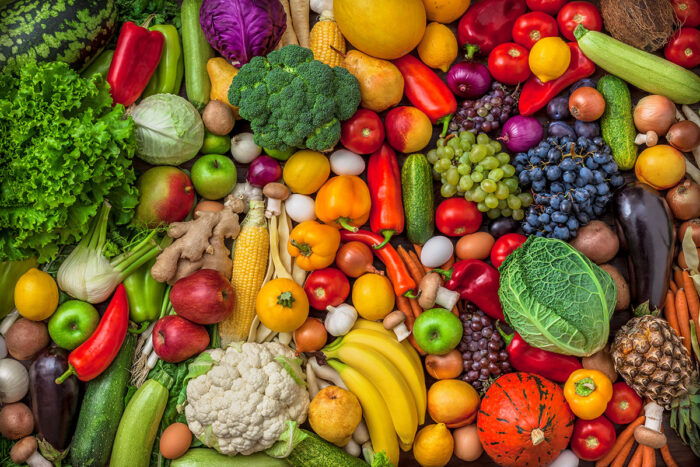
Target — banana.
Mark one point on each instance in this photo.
(375, 326)
(389, 382)
(374, 409)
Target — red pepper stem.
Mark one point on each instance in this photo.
(445, 121)
(471, 49)
(507, 338)
(446, 274)
(388, 233)
(410, 294)
(345, 223)
(70, 371)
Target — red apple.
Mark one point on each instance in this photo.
(408, 129)
(166, 196)
(203, 297)
(176, 339)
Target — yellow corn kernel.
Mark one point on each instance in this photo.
(325, 36)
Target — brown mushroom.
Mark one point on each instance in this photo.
(275, 193)
(650, 138)
(650, 434)
(394, 321)
(25, 451)
(432, 293)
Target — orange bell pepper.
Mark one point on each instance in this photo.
(344, 201)
(313, 245)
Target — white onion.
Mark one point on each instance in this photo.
(14, 381)
(436, 251)
(300, 208)
(243, 148)
(344, 162)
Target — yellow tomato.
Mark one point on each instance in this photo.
(373, 296)
(660, 166)
(36, 295)
(549, 58)
(306, 171)
(282, 305)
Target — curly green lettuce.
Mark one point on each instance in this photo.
(64, 149)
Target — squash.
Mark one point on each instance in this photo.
(524, 421)
(385, 29)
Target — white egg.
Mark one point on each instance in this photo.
(300, 208)
(344, 162)
(436, 251)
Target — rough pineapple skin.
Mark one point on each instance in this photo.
(650, 357)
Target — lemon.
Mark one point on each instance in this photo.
(549, 58)
(36, 295)
(438, 48)
(373, 296)
(433, 445)
(445, 11)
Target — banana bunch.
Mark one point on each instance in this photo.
(387, 377)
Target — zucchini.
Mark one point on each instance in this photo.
(646, 71)
(205, 457)
(315, 452)
(102, 409)
(196, 52)
(616, 123)
(417, 189)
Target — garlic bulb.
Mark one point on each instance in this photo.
(319, 6)
(340, 319)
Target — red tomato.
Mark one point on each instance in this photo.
(504, 246)
(548, 6)
(592, 439)
(575, 13)
(688, 12)
(508, 63)
(363, 133)
(326, 287)
(625, 405)
(684, 48)
(457, 216)
(533, 26)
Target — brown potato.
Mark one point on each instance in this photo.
(16, 421)
(623, 289)
(597, 241)
(601, 361)
(26, 338)
(218, 118)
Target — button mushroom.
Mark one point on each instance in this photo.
(432, 293)
(276, 193)
(25, 452)
(394, 321)
(650, 434)
(650, 138)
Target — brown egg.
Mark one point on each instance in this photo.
(175, 441)
(475, 246)
(208, 206)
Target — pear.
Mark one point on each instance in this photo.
(381, 83)
(334, 414)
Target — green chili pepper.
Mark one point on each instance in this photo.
(145, 294)
(171, 69)
(99, 65)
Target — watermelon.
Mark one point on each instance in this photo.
(71, 31)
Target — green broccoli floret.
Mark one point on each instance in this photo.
(294, 101)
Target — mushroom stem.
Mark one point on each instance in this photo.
(401, 332)
(395, 321)
(650, 433)
(25, 451)
(654, 415)
(273, 207)
(446, 298)
(649, 138)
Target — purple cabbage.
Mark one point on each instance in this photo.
(242, 29)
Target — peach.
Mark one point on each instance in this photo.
(453, 402)
(408, 129)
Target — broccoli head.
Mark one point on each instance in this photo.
(294, 101)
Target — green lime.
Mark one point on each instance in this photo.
(215, 144)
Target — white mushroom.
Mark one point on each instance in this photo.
(275, 193)
(25, 451)
(432, 293)
(394, 321)
(650, 433)
(650, 138)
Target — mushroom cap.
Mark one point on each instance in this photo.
(276, 190)
(393, 319)
(23, 449)
(649, 437)
(428, 286)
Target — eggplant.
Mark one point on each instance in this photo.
(646, 230)
(55, 406)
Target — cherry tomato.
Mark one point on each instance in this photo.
(625, 405)
(533, 26)
(508, 63)
(688, 12)
(548, 6)
(457, 216)
(592, 439)
(363, 133)
(504, 246)
(325, 287)
(575, 13)
(684, 48)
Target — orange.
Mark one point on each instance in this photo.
(433, 445)
(660, 166)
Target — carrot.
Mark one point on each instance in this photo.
(415, 307)
(636, 460)
(418, 249)
(621, 456)
(405, 308)
(668, 458)
(648, 457)
(672, 285)
(416, 260)
(693, 300)
(670, 313)
(415, 345)
(413, 269)
(300, 19)
(448, 265)
(620, 442)
(678, 277)
(683, 319)
(289, 37)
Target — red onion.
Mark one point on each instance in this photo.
(263, 170)
(521, 133)
(468, 79)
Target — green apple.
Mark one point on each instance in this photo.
(437, 331)
(214, 176)
(72, 323)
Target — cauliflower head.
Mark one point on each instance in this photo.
(242, 403)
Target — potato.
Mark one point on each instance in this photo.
(16, 421)
(218, 118)
(26, 338)
(601, 361)
(597, 241)
(623, 289)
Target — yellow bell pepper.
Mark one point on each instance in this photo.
(549, 58)
(221, 73)
(306, 171)
(314, 245)
(282, 305)
(588, 393)
(344, 201)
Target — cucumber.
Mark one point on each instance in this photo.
(102, 408)
(646, 71)
(417, 189)
(616, 123)
(196, 52)
(204, 457)
(315, 452)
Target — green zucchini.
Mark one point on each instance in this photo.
(196, 52)
(616, 123)
(315, 452)
(646, 71)
(417, 189)
(102, 409)
(205, 457)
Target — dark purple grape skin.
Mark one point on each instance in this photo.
(558, 108)
(559, 129)
(502, 226)
(582, 83)
(587, 129)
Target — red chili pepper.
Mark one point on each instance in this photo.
(94, 355)
(477, 282)
(384, 180)
(395, 267)
(135, 60)
(550, 365)
(536, 94)
(426, 90)
(487, 24)
(684, 48)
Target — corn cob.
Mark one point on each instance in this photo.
(326, 36)
(250, 254)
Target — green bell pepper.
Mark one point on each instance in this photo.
(145, 294)
(10, 272)
(99, 65)
(167, 78)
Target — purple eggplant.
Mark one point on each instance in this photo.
(645, 227)
(55, 406)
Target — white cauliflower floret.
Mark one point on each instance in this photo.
(241, 405)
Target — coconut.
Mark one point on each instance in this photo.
(645, 24)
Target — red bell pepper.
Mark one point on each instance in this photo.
(487, 24)
(477, 282)
(536, 94)
(426, 90)
(684, 48)
(94, 355)
(384, 180)
(135, 60)
(548, 6)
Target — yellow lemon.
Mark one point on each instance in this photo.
(549, 58)
(445, 11)
(306, 171)
(438, 48)
(36, 295)
(373, 296)
(433, 445)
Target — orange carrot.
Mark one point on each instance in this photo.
(416, 260)
(415, 345)
(670, 313)
(448, 265)
(672, 285)
(668, 458)
(693, 300)
(678, 277)
(413, 269)
(648, 457)
(620, 442)
(415, 307)
(683, 319)
(621, 456)
(636, 460)
(418, 248)
(405, 308)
